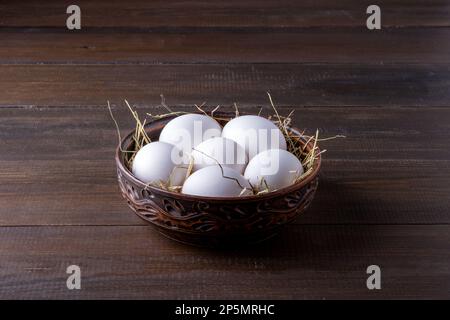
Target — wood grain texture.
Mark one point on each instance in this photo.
(384, 192)
(393, 167)
(229, 14)
(246, 84)
(308, 46)
(320, 262)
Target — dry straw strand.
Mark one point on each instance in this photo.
(297, 142)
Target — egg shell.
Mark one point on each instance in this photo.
(189, 130)
(255, 134)
(160, 161)
(279, 169)
(210, 182)
(219, 150)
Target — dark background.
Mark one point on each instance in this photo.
(384, 193)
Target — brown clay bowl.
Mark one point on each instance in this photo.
(209, 221)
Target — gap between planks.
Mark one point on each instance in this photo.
(147, 225)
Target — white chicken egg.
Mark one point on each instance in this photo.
(221, 151)
(255, 134)
(160, 161)
(211, 182)
(274, 169)
(189, 130)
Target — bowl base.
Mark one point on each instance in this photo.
(216, 241)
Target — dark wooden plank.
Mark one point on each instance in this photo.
(373, 133)
(321, 262)
(311, 46)
(230, 14)
(393, 167)
(292, 84)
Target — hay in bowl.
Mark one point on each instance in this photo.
(217, 221)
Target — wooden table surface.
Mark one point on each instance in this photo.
(384, 192)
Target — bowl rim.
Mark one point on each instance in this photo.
(180, 196)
